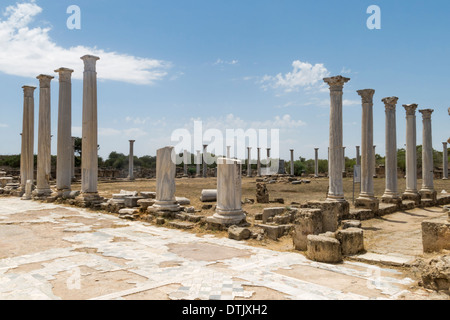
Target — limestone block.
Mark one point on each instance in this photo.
(209, 195)
(436, 235)
(262, 194)
(5, 180)
(145, 203)
(181, 225)
(148, 195)
(236, 233)
(352, 241)
(132, 202)
(271, 212)
(333, 213)
(324, 249)
(347, 224)
(183, 201)
(435, 273)
(275, 232)
(307, 222)
(128, 211)
(129, 193)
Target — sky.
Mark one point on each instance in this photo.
(250, 65)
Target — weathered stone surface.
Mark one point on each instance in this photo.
(148, 195)
(145, 203)
(262, 194)
(132, 202)
(182, 201)
(182, 225)
(346, 224)
(307, 222)
(271, 212)
(435, 273)
(160, 221)
(361, 214)
(352, 241)
(128, 211)
(5, 180)
(436, 235)
(333, 213)
(324, 249)
(209, 195)
(236, 233)
(275, 232)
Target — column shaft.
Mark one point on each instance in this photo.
(27, 155)
(292, 163)
(427, 157)
(131, 161)
(411, 151)
(316, 162)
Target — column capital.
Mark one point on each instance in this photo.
(366, 95)
(410, 109)
(390, 103)
(89, 62)
(445, 144)
(426, 113)
(65, 74)
(44, 80)
(317, 149)
(336, 83)
(28, 91)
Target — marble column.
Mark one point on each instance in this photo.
(367, 197)
(89, 162)
(27, 155)
(205, 166)
(336, 189)
(292, 163)
(72, 159)
(427, 191)
(391, 194)
(358, 155)
(249, 163)
(229, 194)
(199, 162)
(44, 138)
(316, 162)
(165, 182)
(65, 160)
(131, 161)
(411, 192)
(259, 163)
(445, 161)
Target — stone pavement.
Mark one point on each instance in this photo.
(56, 252)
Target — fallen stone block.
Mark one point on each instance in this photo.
(209, 195)
(182, 225)
(148, 195)
(347, 224)
(182, 201)
(307, 222)
(145, 203)
(435, 273)
(324, 249)
(436, 235)
(189, 210)
(262, 194)
(332, 213)
(275, 232)
(352, 241)
(271, 212)
(361, 214)
(129, 193)
(236, 233)
(128, 211)
(132, 202)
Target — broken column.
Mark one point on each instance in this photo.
(89, 162)
(411, 192)
(131, 161)
(445, 161)
(65, 160)
(316, 162)
(367, 197)
(391, 194)
(249, 163)
(292, 163)
(44, 138)
(336, 189)
(165, 203)
(27, 156)
(427, 191)
(229, 193)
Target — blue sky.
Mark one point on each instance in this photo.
(231, 64)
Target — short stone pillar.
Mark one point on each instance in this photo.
(292, 163)
(165, 182)
(411, 192)
(44, 139)
(89, 163)
(391, 194)
(64, 163)
(336, 188)
(445, 161)
(205, 165)
(229, 193)
(427, 191)
(198, 162)
(258, 169)
(27, 154)
(316, 162)
(358, 155)
(131, 161)
(249, 163)
(367, 197)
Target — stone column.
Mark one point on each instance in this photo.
(165, 182)
(366, 198)
(445, 161)
(259, 163)
(44, 138)
(131, 161)
(292, 163)
(229, 193)
(358, 155)
(427, 191)
(89, 162)
(411, 192)
(27, 155)
(249, 164)
(205, 166)
(65, 160)
(336, 189)
(199, 161)
(391, 194)
(316, 162)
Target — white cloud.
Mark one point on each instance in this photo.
(304, 76)
(3, 125)
(29, 51)
(221, 62)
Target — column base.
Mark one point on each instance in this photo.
(164, 208)
(412, 196)
(89, 200)
(333, 198)
(391, 198)
(42, 194)
(223, 219)
(371, 203)
(428, 194)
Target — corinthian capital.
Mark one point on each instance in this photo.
(426, 113)
(336, 83)
(65, 74)
(28, 91)
(390, 103)
(366, 95)
(410, 109)
(44, 80)
(89, 62)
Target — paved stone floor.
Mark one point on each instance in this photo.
(58, 252)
